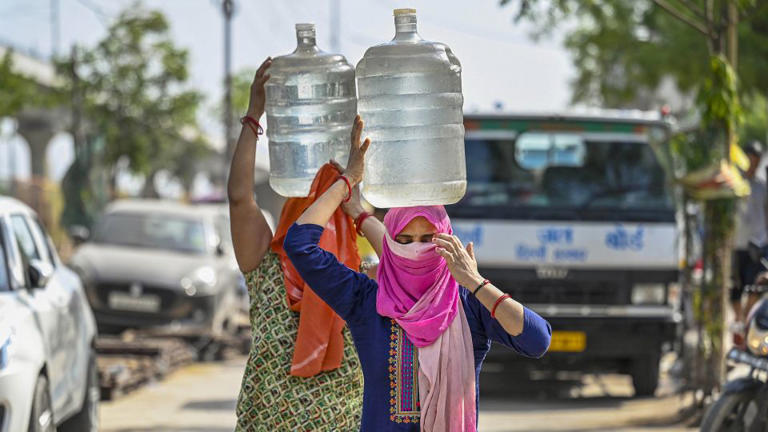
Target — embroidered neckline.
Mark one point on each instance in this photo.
(404, 404)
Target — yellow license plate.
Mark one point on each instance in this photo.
(568, 341)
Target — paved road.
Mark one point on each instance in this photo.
(198, 398)
(201, 397)
(593, 404)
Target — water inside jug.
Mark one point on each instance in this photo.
(311, 102)
(409, 95)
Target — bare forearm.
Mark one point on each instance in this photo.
(240, 184)
(509, 313)
(250, 231)
(374, 231)
(321, 210)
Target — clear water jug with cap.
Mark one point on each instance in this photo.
(311, 103)
(409, 95)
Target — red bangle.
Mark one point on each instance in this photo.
(359, 221)
(349, 187)
(498, 301)
(253, 124)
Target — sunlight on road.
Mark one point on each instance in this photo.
(201, 398)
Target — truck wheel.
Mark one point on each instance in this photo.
(41, 414)
(87, 420)
(727, 413)
(645, 375)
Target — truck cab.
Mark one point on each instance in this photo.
(574, 216)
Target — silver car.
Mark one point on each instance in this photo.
(152, 263)
(48, 375)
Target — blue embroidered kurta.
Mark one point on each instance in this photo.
(388, 359)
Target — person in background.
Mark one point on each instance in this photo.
(751, 237)
(272, 397)
(423, 326)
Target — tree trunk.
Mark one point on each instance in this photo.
(113, 184)
(714, 297)
(149, 190)
(732, 54)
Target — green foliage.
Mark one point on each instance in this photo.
(241, 93)
(755, 125)
(136, 96)
(623, 48)
(241, 90)
(718, 97)
(18, 92)
(694, 151)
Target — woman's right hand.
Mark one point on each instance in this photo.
(354, 207)
(258, 94)
(356, 161)
(322, 209)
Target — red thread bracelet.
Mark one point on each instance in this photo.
(482, 284)
(349, 188)
(498, 301)
(359, 221)
(253, 124)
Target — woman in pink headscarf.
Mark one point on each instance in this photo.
(423, 326)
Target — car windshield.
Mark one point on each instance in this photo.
(158, 231)
(564, 172)
(5, 284)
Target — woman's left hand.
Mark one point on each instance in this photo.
(258, 94)
(461, 261)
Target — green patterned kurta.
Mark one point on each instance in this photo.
(272, 400)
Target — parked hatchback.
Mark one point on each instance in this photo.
(48, 375)
(153, 263)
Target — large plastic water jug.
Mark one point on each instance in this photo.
(311, 103)
(409, 95)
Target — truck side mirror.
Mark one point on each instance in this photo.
(39, 272)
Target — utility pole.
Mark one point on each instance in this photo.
(227, 8)
(81, 150)
(335, 12)
(732, 54)
(11, 152)
(55, 23)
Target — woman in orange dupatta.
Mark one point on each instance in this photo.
(302, 373)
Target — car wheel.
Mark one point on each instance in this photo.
(645, 375)
(41, 415)
(87, 420)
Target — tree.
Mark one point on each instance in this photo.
(135, 97)
(718, 49)
(623, 49)
(19, 92)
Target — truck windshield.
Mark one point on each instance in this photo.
(541, 173)
(158, 231)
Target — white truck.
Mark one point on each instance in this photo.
(574, 216)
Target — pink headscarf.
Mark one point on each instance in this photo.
(417, 290)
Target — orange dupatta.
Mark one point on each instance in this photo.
(319, 343)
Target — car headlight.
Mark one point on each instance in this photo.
(757, 340)
(648, 293)
(201, 282)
